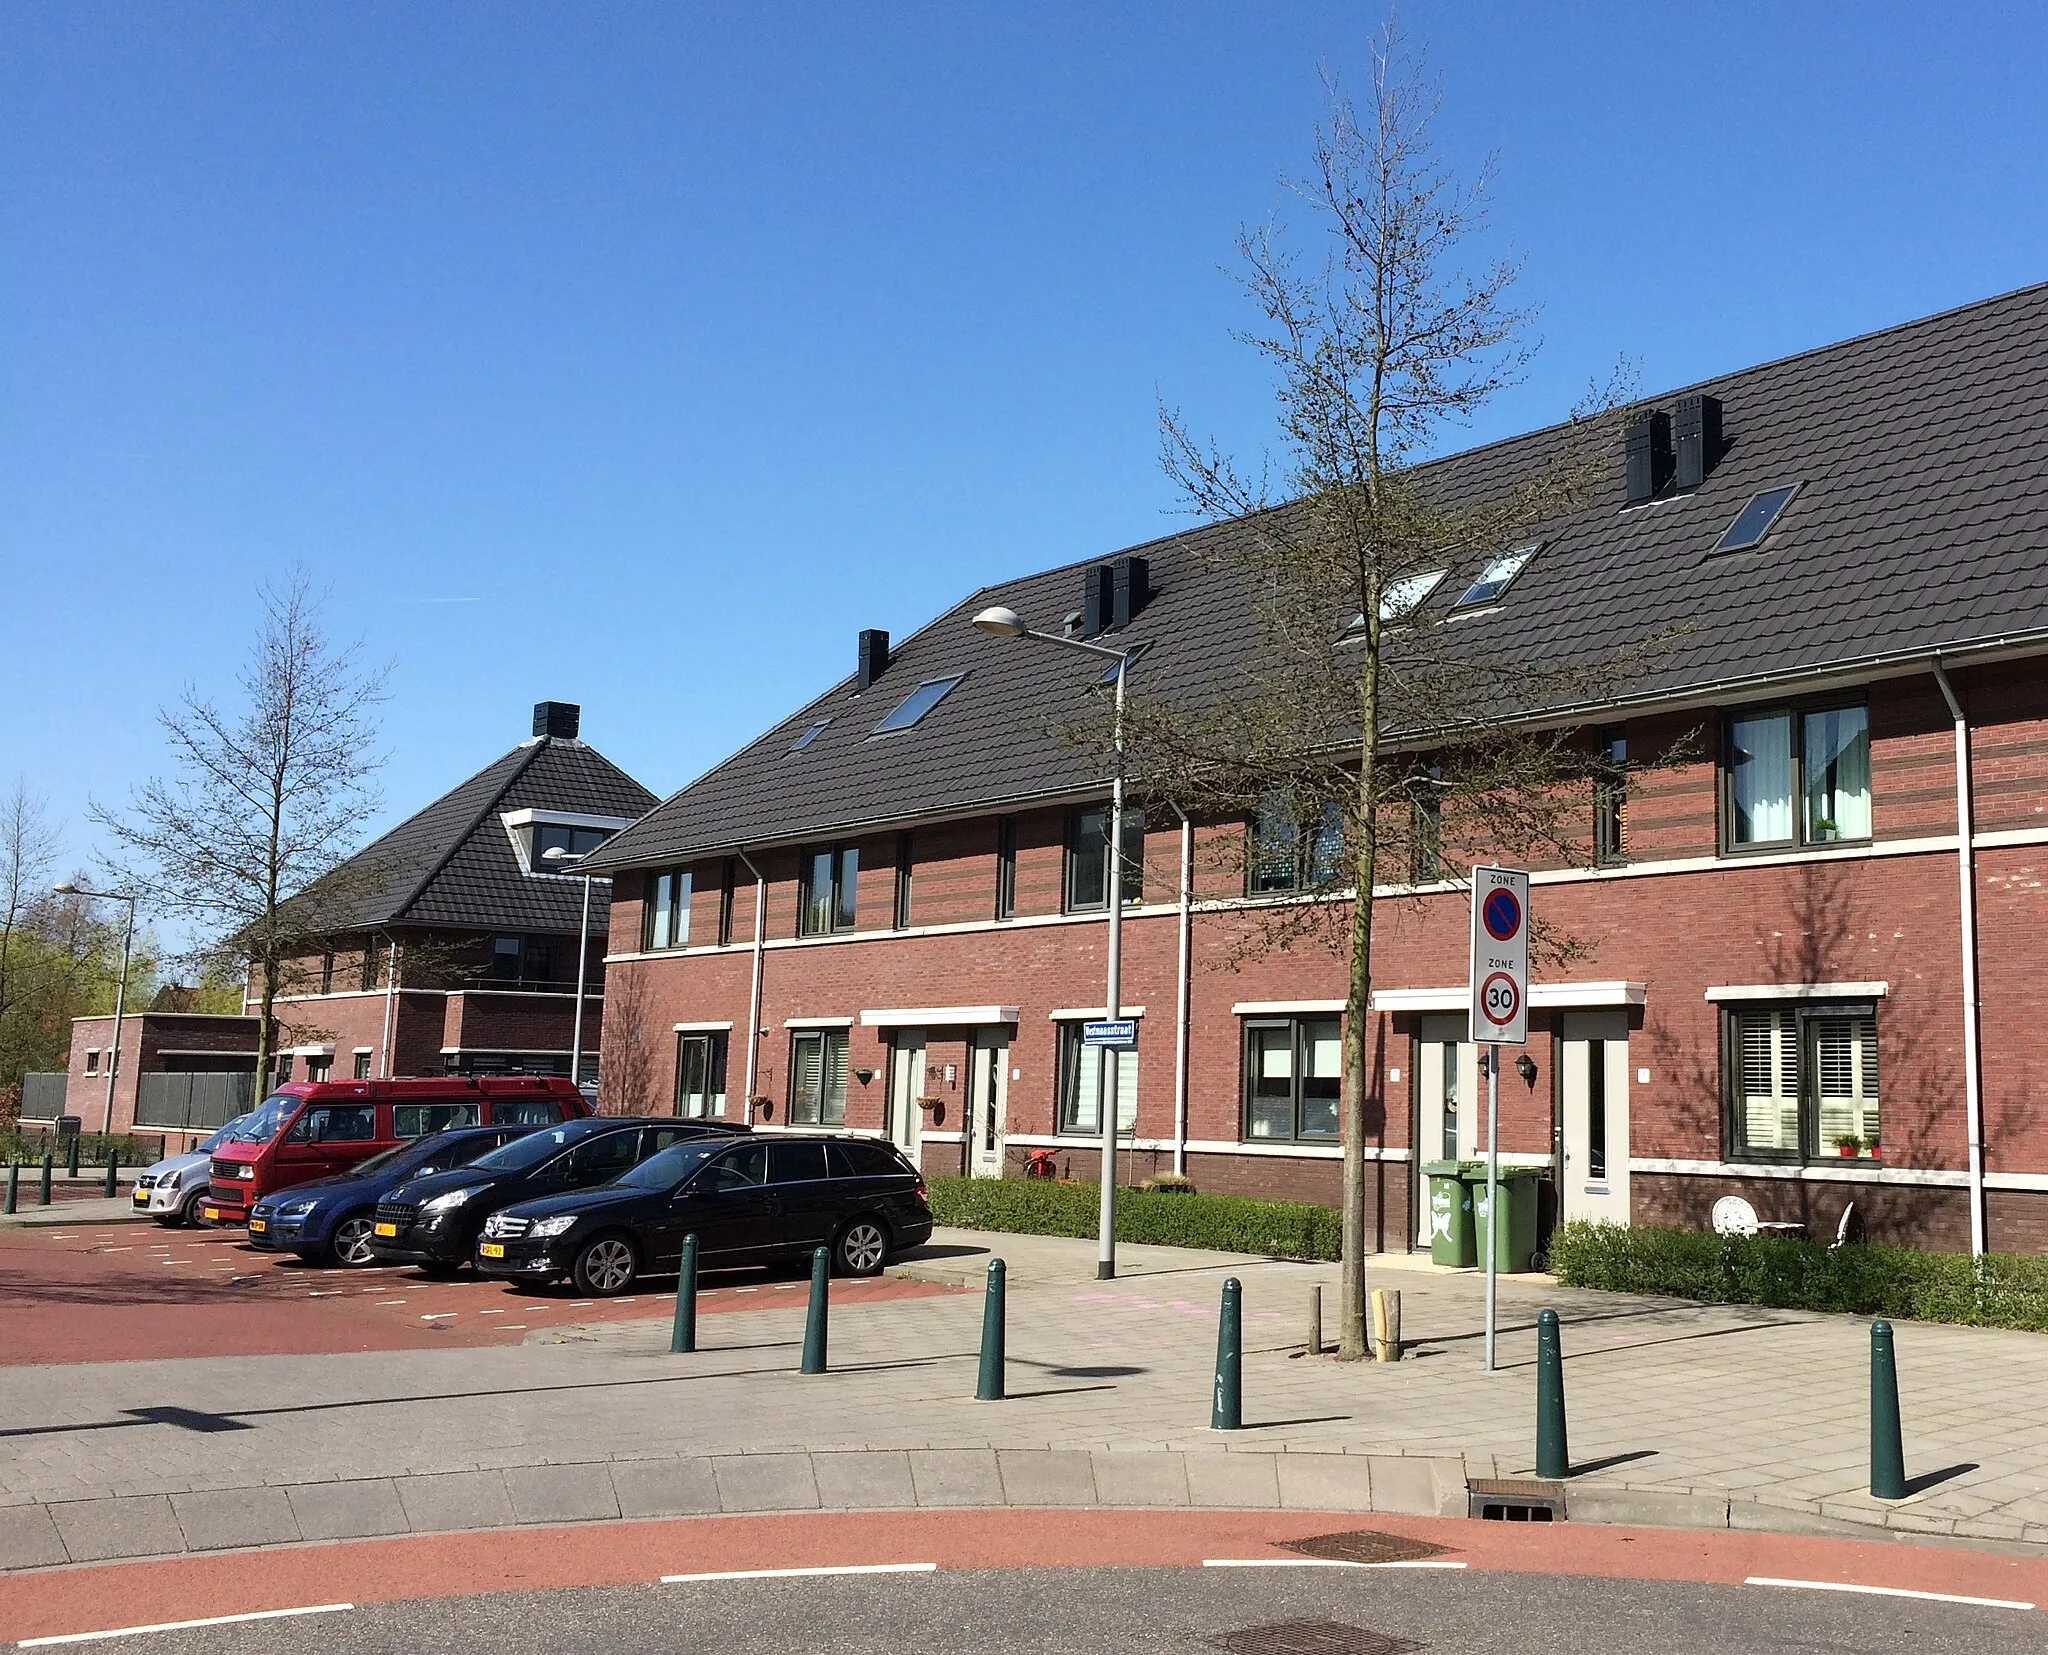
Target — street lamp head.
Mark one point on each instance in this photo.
(557, 853)
(1001, 623)
(65, 889)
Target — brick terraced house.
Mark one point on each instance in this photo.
(1806, 983)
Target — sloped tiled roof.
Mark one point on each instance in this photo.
(1921, 526)
(453, 863)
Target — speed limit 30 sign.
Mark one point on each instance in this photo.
(1500, 956)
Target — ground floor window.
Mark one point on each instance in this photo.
(1082, 1080)
(817, 1078)
(700, 1075)
(1802, 1081)
(1293, 1070)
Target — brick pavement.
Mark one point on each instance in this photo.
(1686, 1414)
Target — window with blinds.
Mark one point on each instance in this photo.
(817, 1078)
(1803, 1077)
(1082, 1083)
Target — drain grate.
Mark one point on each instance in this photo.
(1515, 1500)
(1312, 1637)
(1366, 1546)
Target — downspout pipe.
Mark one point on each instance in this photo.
(390, 996)
(1966, 869)
(754, 994)
(1180, 985)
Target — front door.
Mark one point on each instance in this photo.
(906, 1086)
(1450, 1097)
(987, 1103)
(1593, 1069)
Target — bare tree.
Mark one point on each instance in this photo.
(266, 800)
(1366, 742)
(28, 854)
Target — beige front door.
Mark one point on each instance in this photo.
(988, 1097)
(1450, 1096)
(1593, 1070)
(906, 1086)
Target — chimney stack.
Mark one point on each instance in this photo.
(1130, 590)
(561, 719)
(1698, 433)
(1098, 599)
(874, 656)
(1649, 455)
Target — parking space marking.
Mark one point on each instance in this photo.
(803, 1574)
(182, 1626)
(1885, 1592)
(1324, 1563)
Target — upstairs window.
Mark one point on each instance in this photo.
(917, 703)
(1088, 859)
(826, 902)
(1754, 521)
(327, 972)
(1498, 576)
(1006, 867)
(1294, 849)
(573, 842)
(1610, 802)
(1399, 599)
(811, 734)
(1796, 778)
(665, 916)
(1426, 828)
(901, 917)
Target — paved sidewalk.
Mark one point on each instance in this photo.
(1694, 1415)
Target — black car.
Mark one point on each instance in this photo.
(759, 1202)
(434, 1221)
(329, 1220)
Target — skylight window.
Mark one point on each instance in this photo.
(1132, 657)
(917, 703)
(1401, 598)
(1756, 519)
(809, 736)
(1499, 575)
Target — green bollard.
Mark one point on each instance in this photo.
(45, 1199)
(13, 1185)
(71, 1158)
(1553, 1458)
(113, 1173)
(814, 1323)
(1226, 1413)
(1887, 1446)
(683, 1338)
(989, 1387)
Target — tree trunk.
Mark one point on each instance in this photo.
(1351, 1319)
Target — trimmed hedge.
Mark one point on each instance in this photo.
(1222, 1223)
(1999, 1290)
(29, 1147)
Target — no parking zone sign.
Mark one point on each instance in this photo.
(1500, 956)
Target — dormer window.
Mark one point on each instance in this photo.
(574, 842)
(571, 834)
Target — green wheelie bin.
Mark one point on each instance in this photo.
(1451, 1238)
(1514, 1242)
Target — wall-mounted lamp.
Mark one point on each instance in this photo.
(863, 1075)
(1525, 1066)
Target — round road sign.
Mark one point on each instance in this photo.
(1502, 915)
(1499, 999)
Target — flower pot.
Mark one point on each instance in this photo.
(1847, 1149)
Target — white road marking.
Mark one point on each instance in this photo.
(440, 1316)
(383, 1303)
(180, 1626)
(490, 1312)
(1886, 1592)
(583, 1304)
(1324, 1563)
(802, 1574)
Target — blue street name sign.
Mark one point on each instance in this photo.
(1110, 1031)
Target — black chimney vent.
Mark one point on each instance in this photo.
(1130, 590)
(874, 655)
(1649, 455)
(557, 718)
(1098, 599)
(1697, 432)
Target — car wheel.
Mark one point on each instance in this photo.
(605, 1267)
(350, 1243)
(188, 1214)
(861, 1247)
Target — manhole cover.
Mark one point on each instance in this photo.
(1310, 1637)
(1366, 1546)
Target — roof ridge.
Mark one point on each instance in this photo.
(459, 840)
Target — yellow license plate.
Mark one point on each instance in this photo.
(210, 1214)
(259, 1225)
(492, 1249)
(142, 1198)
(387, 1229)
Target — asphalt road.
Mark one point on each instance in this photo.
(1138, 1612)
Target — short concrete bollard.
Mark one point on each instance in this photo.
(1226, 1412)
(43, 1200)
(814, 1322)
(113, 1173)
(13, 1185)
(1887, 1443)
(682, 1337)
(1553, 1458)
(1315, 1321)
(988, 1385)
(71, 1157)
(1386, 1324)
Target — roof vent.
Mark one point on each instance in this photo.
(1130, 589)
(557, 718)
(1649, 455)
(1697, 431)
(874, 656)
(1098, 599)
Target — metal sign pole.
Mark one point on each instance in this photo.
(1492, 1191)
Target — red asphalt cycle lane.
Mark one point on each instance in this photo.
(87, 1598)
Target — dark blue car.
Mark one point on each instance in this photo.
(329, 1220)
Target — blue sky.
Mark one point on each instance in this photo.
(638, 355)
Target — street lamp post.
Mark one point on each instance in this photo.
(68, 888)
(568, 859)
(1007, 623)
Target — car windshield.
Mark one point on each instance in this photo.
(522, 1153)
(671, 1166)
(263, 1122)
(206, 1146)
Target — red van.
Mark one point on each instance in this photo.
(310, 1129)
